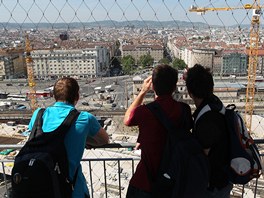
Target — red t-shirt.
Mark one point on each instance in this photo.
(152, 137)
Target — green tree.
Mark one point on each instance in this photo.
(179, 64)
(128, 63)
(164, 61)
(146, 60)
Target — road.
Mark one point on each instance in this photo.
(86, 92)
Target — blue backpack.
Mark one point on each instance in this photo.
(244, 157)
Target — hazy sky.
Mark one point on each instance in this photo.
(121, 10)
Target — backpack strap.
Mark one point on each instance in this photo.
(162, 117)
(175, 137)
(68, 121)
(64, 126)
(166, 122)
(207, 108)
(37, 124)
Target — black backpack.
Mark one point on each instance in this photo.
(184, 168)
(41, 168)
(244, 157)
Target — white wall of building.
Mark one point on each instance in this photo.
(78, 62)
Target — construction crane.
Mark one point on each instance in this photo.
(30, 74)
(202, 10)
(253, 52)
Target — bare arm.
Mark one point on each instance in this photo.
(99, 139)
(139, 99)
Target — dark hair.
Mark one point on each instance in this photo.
(66, 89)
(199, 81)
(164, 79)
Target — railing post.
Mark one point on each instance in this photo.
(105, 180)
(255, 188)
(4, 174)
(91, 180)
(119, 178)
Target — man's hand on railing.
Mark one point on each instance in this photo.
(137, 147)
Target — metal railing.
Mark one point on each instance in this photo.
(108, 170)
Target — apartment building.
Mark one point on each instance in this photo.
(204, 57)
(7, 66)
(2, 69)
(234, 63)
(80, 63)
(228, 92)
(217, 63)
(155, 51)
(20, 70)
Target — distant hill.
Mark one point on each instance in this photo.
(106, 23)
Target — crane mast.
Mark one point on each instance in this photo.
(30, 74)
(252, 65)
(253, 52)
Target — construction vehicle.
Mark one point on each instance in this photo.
(252, 52)
(30, 74)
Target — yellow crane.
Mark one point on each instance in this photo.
(30, 74)
(202, 10)
(253, 52)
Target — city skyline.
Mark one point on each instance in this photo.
(62, 11)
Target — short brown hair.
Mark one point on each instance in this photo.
(164, 79)
(66, 89)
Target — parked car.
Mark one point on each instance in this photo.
(9, 84)
(98, 105)
(20, 106)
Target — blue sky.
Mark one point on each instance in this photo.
(120, 10)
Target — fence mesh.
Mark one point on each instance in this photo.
(109, 46)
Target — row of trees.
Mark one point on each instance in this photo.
(129, 64)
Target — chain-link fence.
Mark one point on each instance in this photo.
(110, 46)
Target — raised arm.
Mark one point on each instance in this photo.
(139, 99)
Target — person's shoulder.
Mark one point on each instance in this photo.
(36, 111)
(212, 117)
(141, 108)
(85, 115)
(185, 106)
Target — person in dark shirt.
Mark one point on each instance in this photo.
(152, 134)
(210, 129)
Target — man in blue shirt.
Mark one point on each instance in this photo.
(85, 131)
